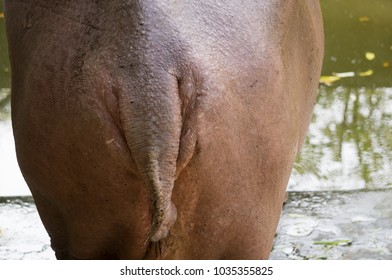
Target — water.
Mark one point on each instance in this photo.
(350, 138)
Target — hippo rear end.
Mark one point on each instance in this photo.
(161, 129)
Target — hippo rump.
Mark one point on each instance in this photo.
(161, 129)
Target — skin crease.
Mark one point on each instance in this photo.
(161, 129)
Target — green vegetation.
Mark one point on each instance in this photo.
(334, 243)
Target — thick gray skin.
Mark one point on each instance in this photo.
(123, 109)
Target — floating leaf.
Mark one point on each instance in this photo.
(370, 56)
(328, 80)
(366, 73)
(334, 243)
(344, 74)
(364, 19)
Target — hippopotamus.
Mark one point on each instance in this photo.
(161, 129)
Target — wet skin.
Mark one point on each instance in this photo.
(161, 129)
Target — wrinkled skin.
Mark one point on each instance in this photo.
(161, 129)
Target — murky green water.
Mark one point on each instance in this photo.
(350, 139)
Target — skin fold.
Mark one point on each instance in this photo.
(161, 129)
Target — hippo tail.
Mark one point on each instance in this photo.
(152, 119)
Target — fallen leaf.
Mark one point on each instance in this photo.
(364, 19)
(370, 56)
(386, 64)
(328, 80)
(1, 15)
(334, 243)
(366, 73)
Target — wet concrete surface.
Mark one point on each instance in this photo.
(314, 225)
(336, 225)
(22, 235)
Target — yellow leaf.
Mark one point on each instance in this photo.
(366, 73)
(1, 15)
(370, 56)
(328, 80)
(364, 19)
(386, 64)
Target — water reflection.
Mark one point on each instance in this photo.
(5, 108)
(349, 141)
(4, 71)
